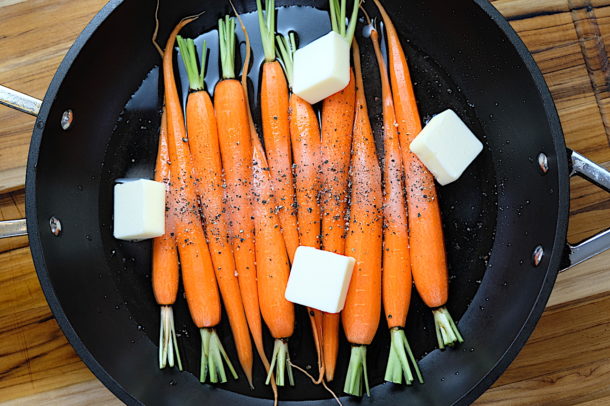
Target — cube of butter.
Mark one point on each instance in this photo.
(446, 146)
(319, 279)
(321, 68)
(139, 209)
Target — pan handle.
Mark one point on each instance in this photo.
(598, 243)
(26, 104)
(19, 101)
(13, 228)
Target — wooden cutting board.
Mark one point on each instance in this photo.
(565, 362)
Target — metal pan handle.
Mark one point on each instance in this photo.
(26, 104)
(599, 243)
(19, 101)
(13, 228)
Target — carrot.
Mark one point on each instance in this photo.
(362, 309)
(396, 280)
(273, 265)
(276, 130)
(305, 141)
(165, 263)
(428, 259)
(244, 84)
(236, 152)
(337, 125)
(197, 270)
(204, 147)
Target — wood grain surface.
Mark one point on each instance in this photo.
(565, 362)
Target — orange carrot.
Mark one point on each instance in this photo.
(428, 259)
(362, 309)
(397, 278)
(236, 152)
(165, 262)
(197, 270)
(305, 140)
(204, 147)
(244, 84)
(276, 131)
(336, 141)
(273, 267)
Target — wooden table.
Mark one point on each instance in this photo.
(565, 362)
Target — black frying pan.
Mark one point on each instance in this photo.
(505, 220)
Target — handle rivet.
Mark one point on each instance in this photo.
(537, 255)
(543, 163)
(66, 119)
(55, 226)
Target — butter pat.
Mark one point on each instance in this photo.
(321, 68)
(446, 146)
(139, 209)
(319, 279)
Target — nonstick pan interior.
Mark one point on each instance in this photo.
(494, 216)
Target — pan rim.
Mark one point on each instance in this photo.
(468, 397)
(32, 213)
(563, 196)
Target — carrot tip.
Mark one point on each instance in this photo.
(212, 356)
(280, 362)
(398, 360)
(357, 372)
(168, 344)
(447, 332)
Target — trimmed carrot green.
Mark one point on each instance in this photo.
(205, 150)
(197, 269)
(165, 272)
(361, 313)
(276, 130)
(397, 280)
(428, 259)
(305, 141)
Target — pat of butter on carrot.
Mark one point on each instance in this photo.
(139, 209)
(446, 146)
(319, 279)
(321, 68)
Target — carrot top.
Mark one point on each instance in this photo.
(266, 22)
(189, 57)
(226, 34)
(287, 47)
(338, 13)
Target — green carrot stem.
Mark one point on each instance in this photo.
(280, 364)
(342, 17)
(266, 23)
(188, 52)
(226, 36)
(212, 356)
(357, 372)
(338, 13)
(447, 333)
(334, 18)
(287, 47)
(168, 344)
(398, 360)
